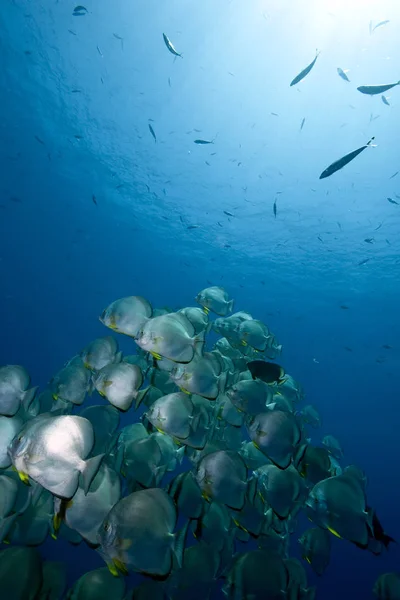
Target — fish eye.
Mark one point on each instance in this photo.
(106, 526)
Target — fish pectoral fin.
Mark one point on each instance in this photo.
(113, 569)
(335, 533)
(119, 566)
(24, 477)
(184, 391)
(156, 355)
(56, 525)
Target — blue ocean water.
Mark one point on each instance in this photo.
(76, 101)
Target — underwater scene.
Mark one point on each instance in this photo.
(199, 290)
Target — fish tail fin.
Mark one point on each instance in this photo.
(119, 458)
(5, 526)
(118, 357)
(179, 544)
(222, 379)
(370, 518)
(28, 397)
(180, 454)
(387, 539)
(140, 396)
(89, 471)
(198, 343)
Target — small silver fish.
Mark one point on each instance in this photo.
(342, 74)
(305, 71)
(170, 46)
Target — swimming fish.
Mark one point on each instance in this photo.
(266, 371)
(342, 162)
(222, 477)
(385, 100)
(79, 11)
(152, 132)
(119, 383)
(316, 548)
(342, 74)
(305, 71)
(387, 586)
(277, 434)
(203, 142)
(99, 584)
(380, 24)
(339, 505)
(215, 299)
(127, 315)
(333, 446)
(101, 352)
(274, 209)
(138, 534)
(170, 336)
(72, 383)
(28, 584)
(53, 451)
(170, 45)
(372, 90)
(14, 392)
(392, 201)
(302, 123)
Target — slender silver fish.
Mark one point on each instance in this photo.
(342, 162)
(372, 90)
(170, 46)
(305, 71)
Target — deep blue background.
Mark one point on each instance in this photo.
(63, 259)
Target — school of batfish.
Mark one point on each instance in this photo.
(202, 489)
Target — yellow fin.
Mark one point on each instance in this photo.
(307, 559)
(120, 566)
(156, 355)
(334, 532)
(102, 394)
(244, 343)
(206, 310)
(24, 478)
(55, 396)
(113, 569)
(56, 525)
(160, 430)
(184, 391)
(107, 383)
(6, 541)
